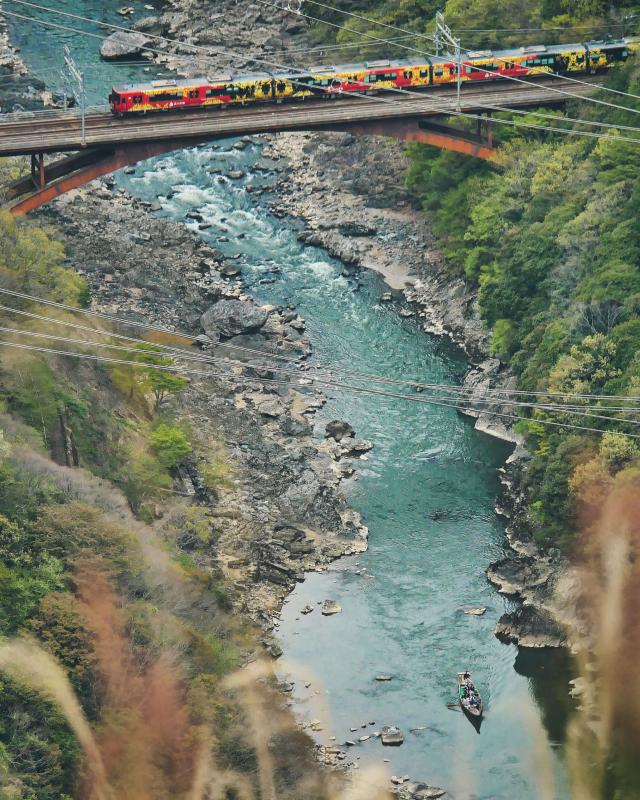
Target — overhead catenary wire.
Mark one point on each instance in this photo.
(428, 101)
(256, 59)
(170, 350)
(151, 348)
(434, 55)
(546, 28)
(459, 393)
(317, 384)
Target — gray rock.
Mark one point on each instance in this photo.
(330, 607)
(338, 429)
(294, 426)
(415, 790)
(530, 627)
(357, 447)
(150, 24)
(123, 44)
(233, 317)
(391, 736)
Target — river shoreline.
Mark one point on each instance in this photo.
(409, 262)
(323, 180)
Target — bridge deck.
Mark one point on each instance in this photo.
(53, 132)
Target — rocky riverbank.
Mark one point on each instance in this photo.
(19, 90)
(349, 195)
(282, 513)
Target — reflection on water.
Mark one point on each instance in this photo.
(549, 672)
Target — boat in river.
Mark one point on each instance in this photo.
(469, 698)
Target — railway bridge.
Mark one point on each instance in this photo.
(106, 143)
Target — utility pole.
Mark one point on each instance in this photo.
(445, 38)
(73, 85)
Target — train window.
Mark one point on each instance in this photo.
(424, 73)
(137, 98)
(469, 70)
(408, 73)
(579, 59)
(266, 87)
(194, 93)
(216, 91)
(162, 97)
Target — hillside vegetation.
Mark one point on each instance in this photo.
(116, 637)
(550, 238)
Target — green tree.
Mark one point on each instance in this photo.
(170, 444)
(159, 377)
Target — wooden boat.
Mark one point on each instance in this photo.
(469, 698)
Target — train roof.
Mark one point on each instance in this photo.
(552, 49)
(185, 83)
(446, 58)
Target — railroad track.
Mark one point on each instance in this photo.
(59, 132)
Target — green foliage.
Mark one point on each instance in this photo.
(171, 445)
(135, 381)
(503, 340)
(211, 653)
(69, 530)
(617, 450)
(37, 743)
(550, 236)
(215, 473)
(60, 628)
(162, 382)
(32, 261)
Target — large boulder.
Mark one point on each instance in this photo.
(529, 626)
(338, 429)
(152, 25)
(123, 44)
(232, 317)
(416, 790)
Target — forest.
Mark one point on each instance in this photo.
(549, 237)
(127, 633)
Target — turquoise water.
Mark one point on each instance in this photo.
(426, 492)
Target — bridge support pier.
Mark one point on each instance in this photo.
(75, 170)
(37, 170)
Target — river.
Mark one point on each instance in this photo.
(426, 491)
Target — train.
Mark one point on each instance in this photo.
(369, 78)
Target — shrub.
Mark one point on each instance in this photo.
(170, 444)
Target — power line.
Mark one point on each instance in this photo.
(433, 55)
(146, 348)
(318, 384)
(199, 48)
(261, 353)
(548, 28)
(487, 396)
(431, 101)
(428, 101)
(379, 24)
